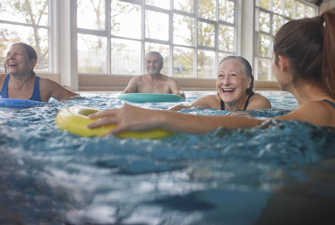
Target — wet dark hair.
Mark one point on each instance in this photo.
(30, 52)
(247, 69)
(309, 46)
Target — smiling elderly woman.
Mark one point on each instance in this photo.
(21, 81)
(234, 85)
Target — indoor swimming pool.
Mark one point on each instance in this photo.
(278, 173)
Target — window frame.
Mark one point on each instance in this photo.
(53, 40)
(63, 58)
(170, 12)
(258, 32)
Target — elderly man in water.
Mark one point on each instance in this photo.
(154, 81)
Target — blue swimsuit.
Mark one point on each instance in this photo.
(331, 103)
(36, 93)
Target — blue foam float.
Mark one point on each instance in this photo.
(19, 103)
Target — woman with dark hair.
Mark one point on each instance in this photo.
(303, 63)
(234, 86)
(21, 81)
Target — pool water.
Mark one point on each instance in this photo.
(278, 173)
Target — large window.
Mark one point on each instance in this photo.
(112, 37)
(270, 15)
(192, 35)
(28, 22)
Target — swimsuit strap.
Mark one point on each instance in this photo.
(222, 105)
(247, 102)
(245, 106)
(4, 90)
(331, 103)
(36, 93)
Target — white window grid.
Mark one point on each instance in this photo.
(53, 32)
(258, 32)
(107, 33)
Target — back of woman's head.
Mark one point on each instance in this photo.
(246, 67)
(309, 46)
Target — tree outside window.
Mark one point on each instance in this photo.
(25, 21)
(270, 15)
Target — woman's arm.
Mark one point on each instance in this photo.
(49, 88)
(133, 118)
(178, 107)
(208, 101)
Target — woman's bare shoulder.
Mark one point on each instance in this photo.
(2, 78)
(258, 101)
(208, 101)
(319, 113)
(46, 82)
(259, 96)
(209, 98)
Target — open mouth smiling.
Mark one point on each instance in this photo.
(228, 90)
(13, 64)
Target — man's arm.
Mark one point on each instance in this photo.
(174, 87)
(132, 86)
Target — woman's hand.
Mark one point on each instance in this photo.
(178, 107)
(127, 117)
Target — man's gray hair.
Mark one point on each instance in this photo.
(159, 54)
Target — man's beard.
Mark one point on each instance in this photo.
(153, 71)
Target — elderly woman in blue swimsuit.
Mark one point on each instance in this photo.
(303, 63)
(234, 85)
(21, 81)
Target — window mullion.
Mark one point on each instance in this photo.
(109, 35)
(54, 23)
(216, 38)
(271, 34)
(143, 37)
(170, 72)
(195, 40)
